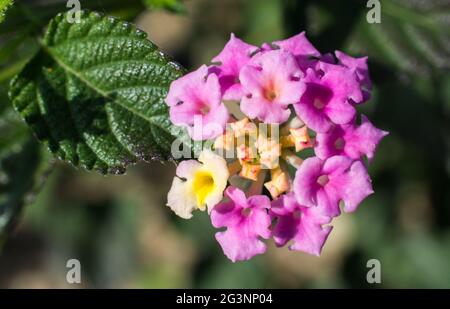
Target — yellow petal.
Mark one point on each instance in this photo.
(217, 167)
(202, 184)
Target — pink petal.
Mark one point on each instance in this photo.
(363, 140)
(291, 92)
(278, 63)
(246, 221)
(252, 79)
(234, 56)
(210, 125)
(285, 229)
(343, 82)
(357, 64)
(340, 112)
(349, 179)
(275, 71)
(315, 118)
(239, 247)
(195, 100)
(298, 45)
(353, 141)
(231, 59)
(259, 202)
(336, 165)
(328, 200)
(310, 236)
(305, 182)
(302, 224)
(259, 221)
(264, 110)
(233, 93)
(185, 88)
(359, 186)
(226, 214)
(237, 196)
(326, 143)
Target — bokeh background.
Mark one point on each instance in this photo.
(124, 236)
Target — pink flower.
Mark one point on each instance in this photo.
(270, 86)
(246, 221)
(326, 183)
(197, 96)
(305, 53)
(298, 45)
(327, 97)
(232, 58)
(359, 65)
(299, 223)
(349, 140)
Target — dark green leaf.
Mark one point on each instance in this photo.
(4, 5)
(95, 94)
(413, 36)
(23, 167)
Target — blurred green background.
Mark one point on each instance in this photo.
(124, 236)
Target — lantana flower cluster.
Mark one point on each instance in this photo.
(288, 146)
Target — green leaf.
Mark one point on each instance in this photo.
(4, 5)
(23, 167)
(22, 173)
(38, 13)
(95, 94)
(412, 37)
(171, 5)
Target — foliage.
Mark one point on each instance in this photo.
(23, 167)
(4, 5)
(95, 94)
(406, 224)
(170, 5)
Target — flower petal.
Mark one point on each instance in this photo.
(298, 45)
(239, 247)
(359, 186)
(305, 182)
(181, 199)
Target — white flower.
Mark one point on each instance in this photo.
(198, 184)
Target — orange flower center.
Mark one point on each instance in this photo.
(270, 92)
(204, 110)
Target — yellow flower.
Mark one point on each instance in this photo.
(199, 185)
